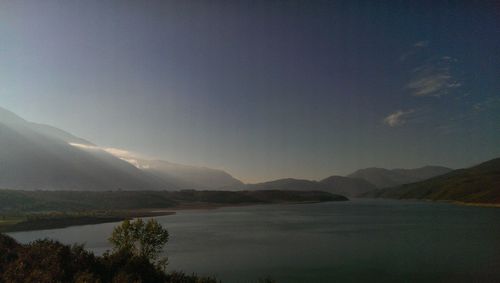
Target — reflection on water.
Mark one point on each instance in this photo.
(361, 240)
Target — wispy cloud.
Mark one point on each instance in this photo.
(421, 44)
(417, 46)
(398, 118)
(488, 103)
(433, 79)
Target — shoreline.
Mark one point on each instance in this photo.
(476, 204)
(454, 202)
(461, 203)
(65, 221)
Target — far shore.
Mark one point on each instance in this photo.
(479, 204)
(58, 221)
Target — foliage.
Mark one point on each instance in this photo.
(267, 280)
(141, 239)
(48, 261)
(45, 261)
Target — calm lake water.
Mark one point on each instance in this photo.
(356, 241)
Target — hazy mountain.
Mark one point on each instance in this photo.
(11, 119)
(35, 156)
(384, 178)
(190, 177)
(350, 187)
(29, 160)
(480, 184)
(290, 184)
(345, 186)
(58, 134)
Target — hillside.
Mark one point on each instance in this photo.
(384, 178)
(32, 160)
(349, 187)
(478, 184)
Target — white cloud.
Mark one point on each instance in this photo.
(487, 104)
(433, 78)
(415, 49)
(119, 152)
(398, 118)
(85, 146)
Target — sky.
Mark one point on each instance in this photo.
(262, 89)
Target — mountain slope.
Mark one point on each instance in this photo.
(34, 156)
(350, 187)
(29, 160)
(384, 178)
(9, 118)
(479, 184)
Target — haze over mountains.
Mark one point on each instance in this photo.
(36, 156)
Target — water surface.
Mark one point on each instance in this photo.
(360, 240)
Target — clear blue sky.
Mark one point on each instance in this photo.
(262, 89)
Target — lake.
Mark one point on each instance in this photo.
(356, 241)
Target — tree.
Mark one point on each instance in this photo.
(142, 239)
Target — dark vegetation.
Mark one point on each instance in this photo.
(136, 257)
(478, 184)
(34, 210)
(14, 200)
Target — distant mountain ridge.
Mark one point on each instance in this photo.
(477, 184)
(384, 178)
(339, 185)
(357, 183)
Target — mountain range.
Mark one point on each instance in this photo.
(357, 183)
(41, 157)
